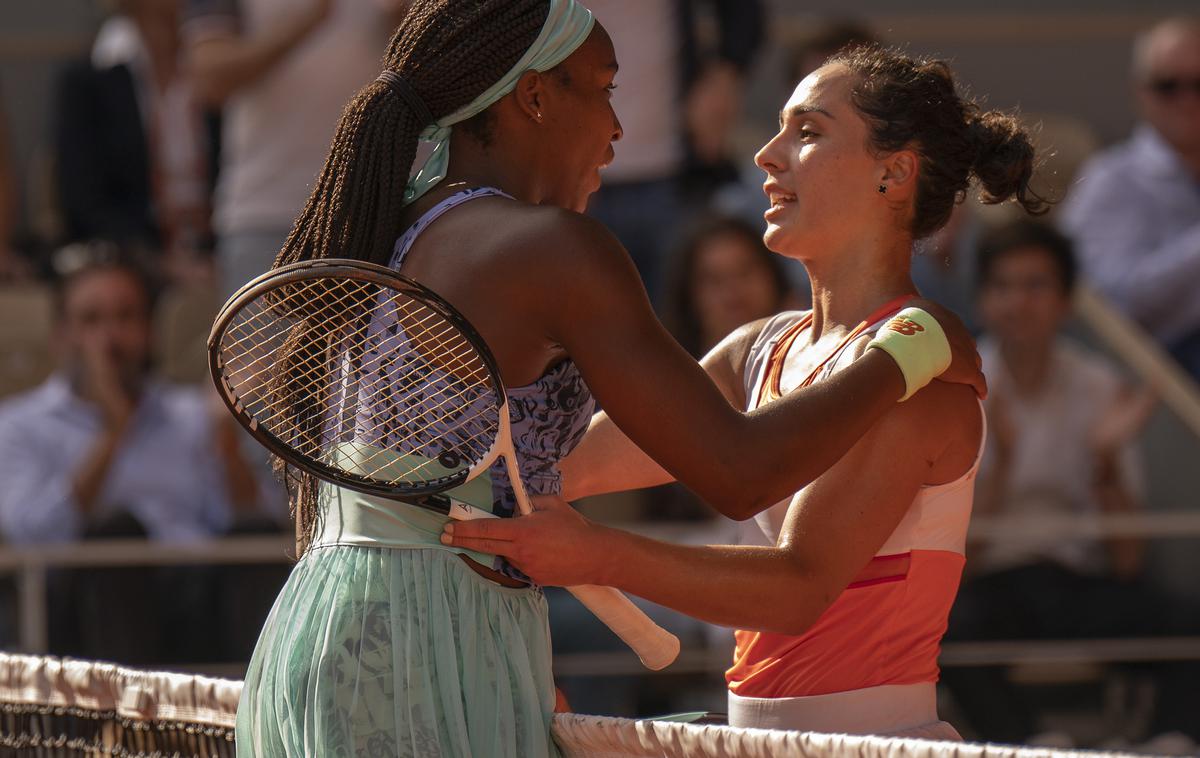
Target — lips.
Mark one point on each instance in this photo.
(777, 195)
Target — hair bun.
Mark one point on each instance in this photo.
(1004, 160)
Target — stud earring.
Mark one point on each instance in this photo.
(539, 117)
(883, 189)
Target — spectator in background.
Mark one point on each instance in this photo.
(1062, 424)
(102, 449)
(723, 277)
(1136, 210)
(283, 70)
(133, 148)
(663, 65)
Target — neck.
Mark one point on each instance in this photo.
(1028, 366)
(472, 165)
(848, 286)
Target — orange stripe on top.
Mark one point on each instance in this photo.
(771, 390)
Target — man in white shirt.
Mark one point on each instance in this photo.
(1135, 211)
(102, 449)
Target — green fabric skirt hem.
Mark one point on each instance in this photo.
(398, 652)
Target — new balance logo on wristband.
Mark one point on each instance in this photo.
(905, 326)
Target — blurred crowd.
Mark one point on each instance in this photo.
(187, 139)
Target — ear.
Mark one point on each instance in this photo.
(899, 173)
(530, 95)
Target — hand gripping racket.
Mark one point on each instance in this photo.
(369, 380)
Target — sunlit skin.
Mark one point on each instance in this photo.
(827, 212)
(543, 283)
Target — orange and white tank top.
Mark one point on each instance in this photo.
(886, 627)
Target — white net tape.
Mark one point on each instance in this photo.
(139, 696)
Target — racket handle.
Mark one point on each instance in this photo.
(655, 646)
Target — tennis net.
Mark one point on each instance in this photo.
(52, 707)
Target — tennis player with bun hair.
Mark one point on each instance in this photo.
(384, 640)
(844, 591)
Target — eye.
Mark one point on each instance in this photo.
(806, 133)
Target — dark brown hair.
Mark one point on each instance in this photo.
(914, 104)
(449, 52)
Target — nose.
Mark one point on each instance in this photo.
(768, 157)
(618, 132)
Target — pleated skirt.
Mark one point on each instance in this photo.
(398, 652)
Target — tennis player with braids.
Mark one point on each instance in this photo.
(385, 641)
(844, 590)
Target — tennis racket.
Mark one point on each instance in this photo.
(371, 381)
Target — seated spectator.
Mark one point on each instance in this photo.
(723, 277)
(1061, 423)
(664, 65)
(133, 148)
(1136, 210)
(102, 449)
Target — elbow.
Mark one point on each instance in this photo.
(733, 492)
(742, 501)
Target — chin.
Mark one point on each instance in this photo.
(775, 239)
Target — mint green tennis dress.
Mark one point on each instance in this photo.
(383, 642)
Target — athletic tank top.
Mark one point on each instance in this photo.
(886, 627)
(548, 418)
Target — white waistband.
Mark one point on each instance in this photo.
(873, 710)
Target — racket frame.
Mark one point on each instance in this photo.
(430, 495)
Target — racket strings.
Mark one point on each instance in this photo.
(362, 378)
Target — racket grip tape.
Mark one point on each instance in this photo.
(656, 647)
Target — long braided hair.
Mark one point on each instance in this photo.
(449, 52)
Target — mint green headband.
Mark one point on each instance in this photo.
(567, 25)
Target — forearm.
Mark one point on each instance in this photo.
(782, 447)
(1125, 553)
(608, 461)
(730, 585)
(221, 66)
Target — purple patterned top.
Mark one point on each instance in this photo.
(549, 417)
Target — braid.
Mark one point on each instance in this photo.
(449, 52)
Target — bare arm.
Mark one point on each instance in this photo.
(739, 462)
(608, 461)
(833, 529)
(663, 400)
(223, 63)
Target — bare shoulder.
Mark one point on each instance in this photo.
(557, 236)
(944, 421)
(726, 362)
(574, 263)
